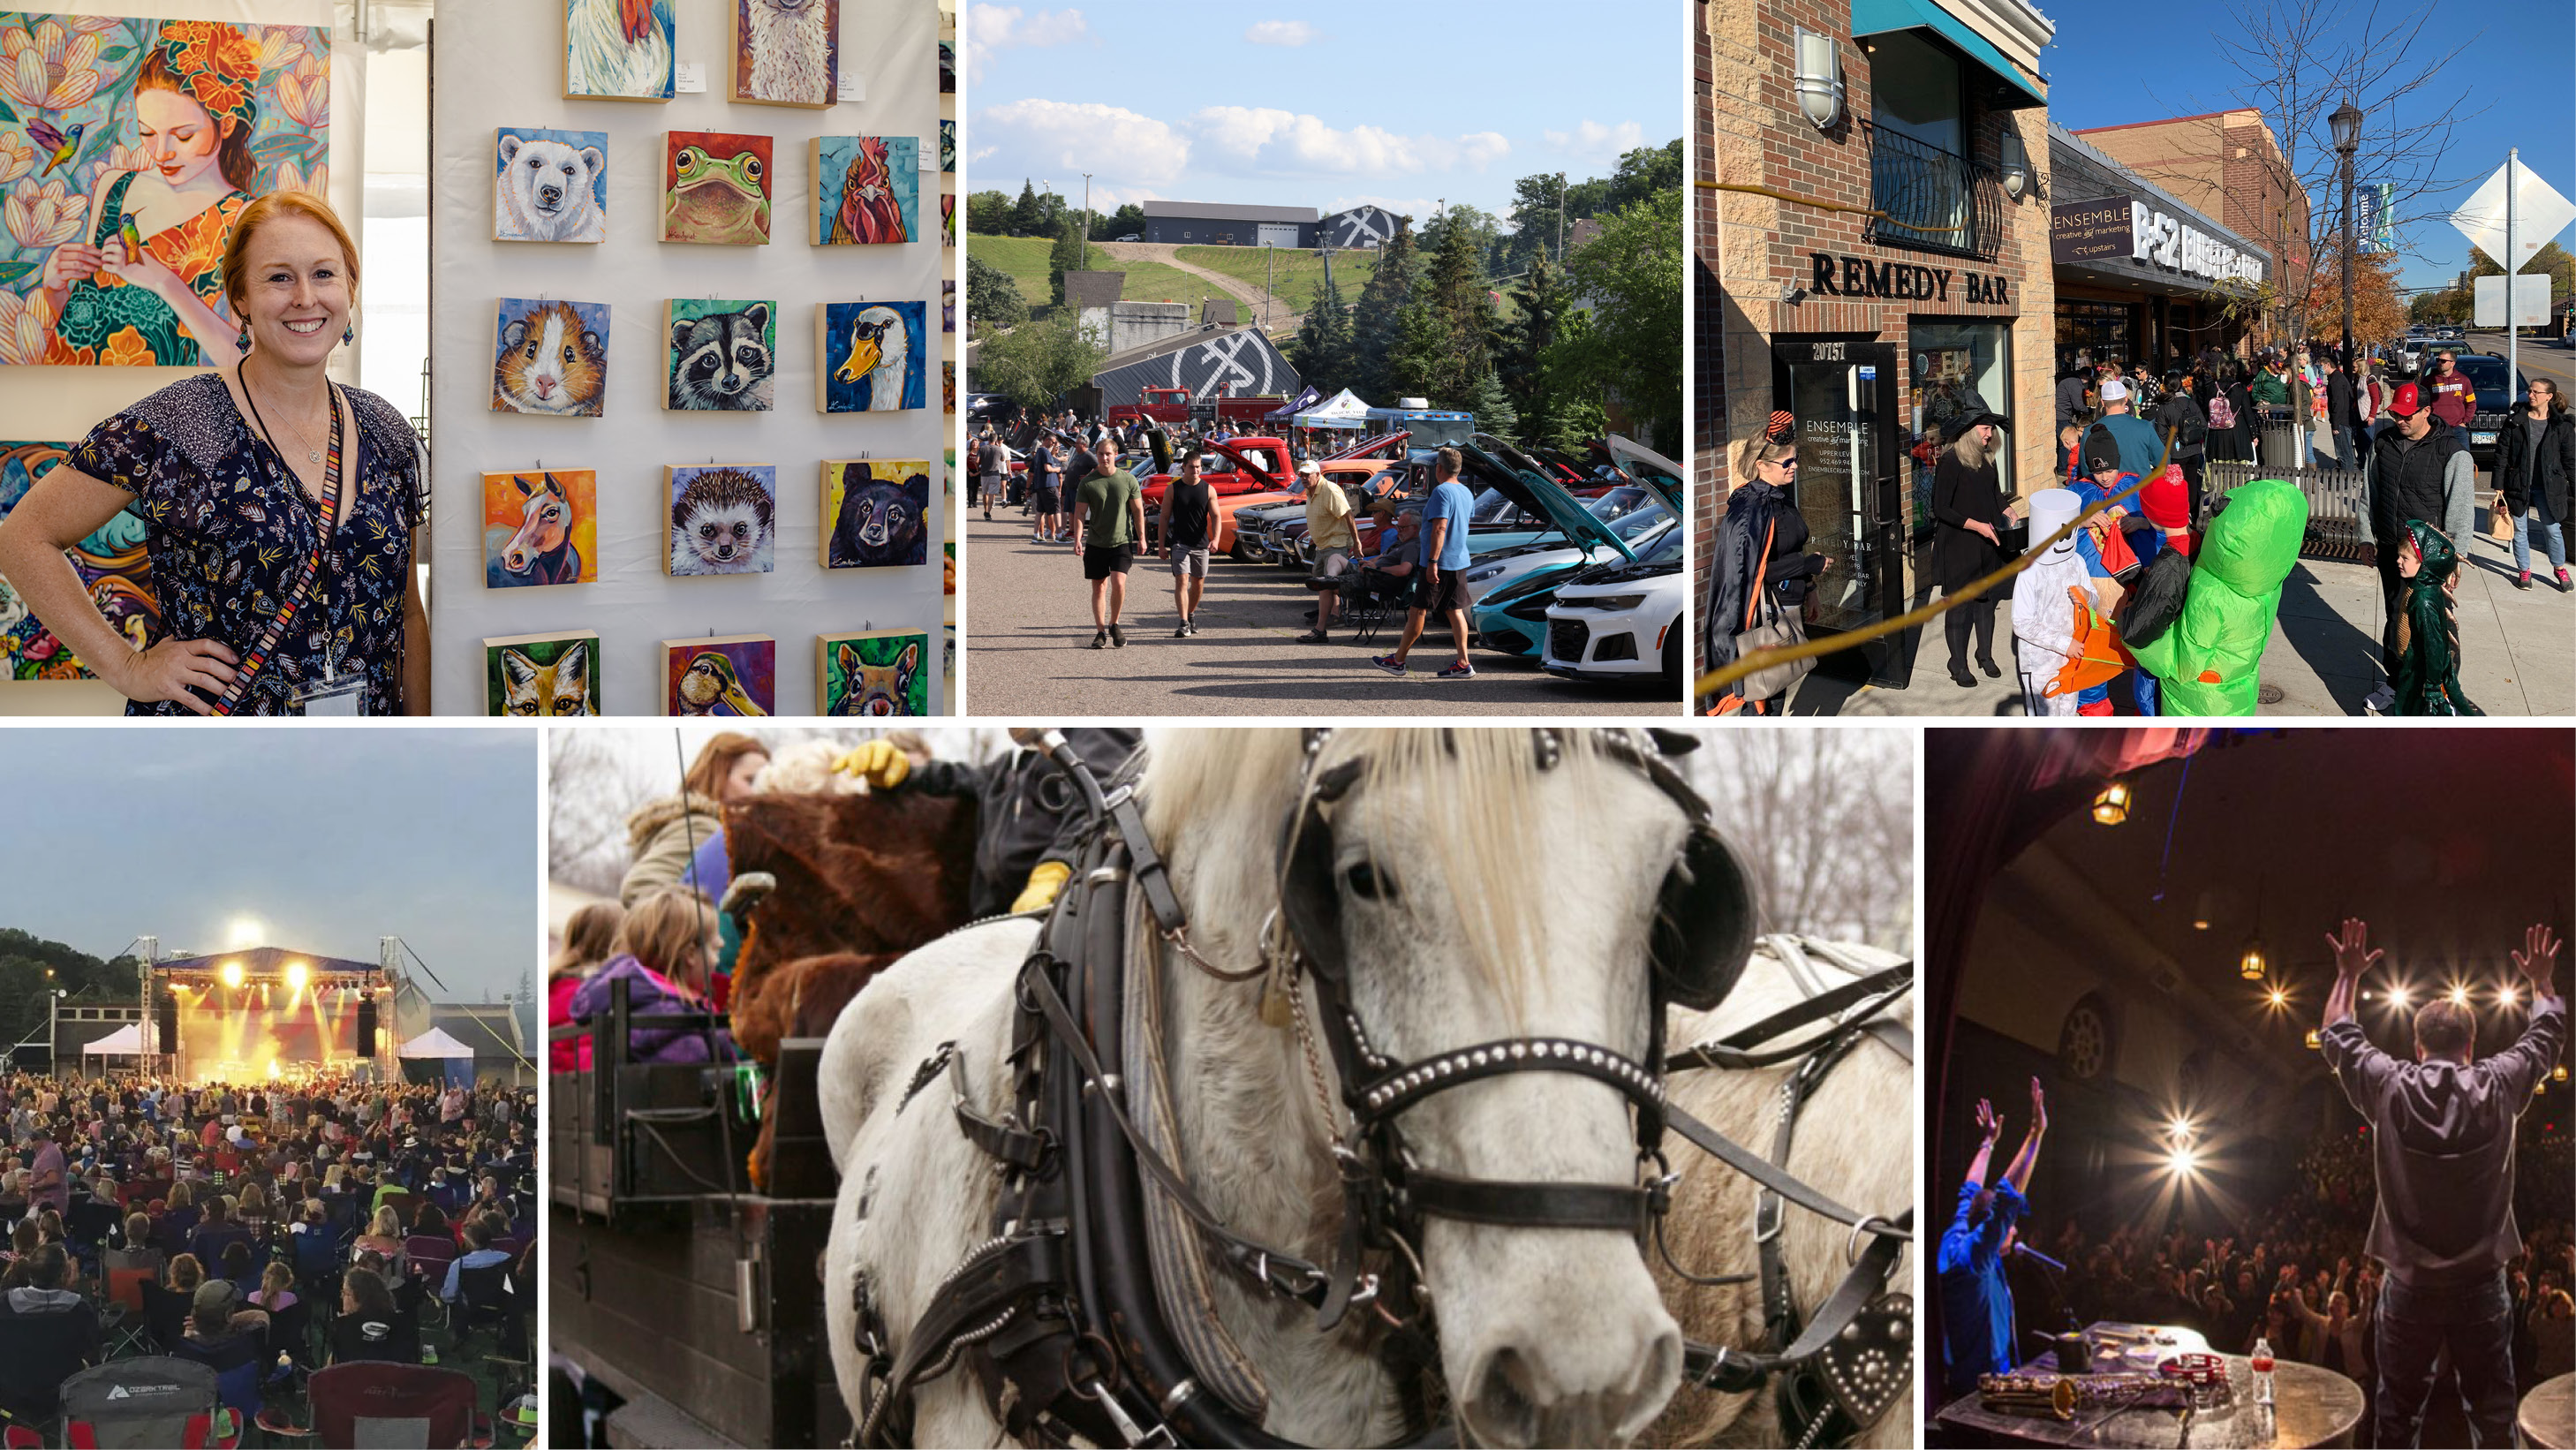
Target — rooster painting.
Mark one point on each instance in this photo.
(618, 49)
(874, 205)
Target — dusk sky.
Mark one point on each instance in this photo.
(326, 838)
(1321, 104)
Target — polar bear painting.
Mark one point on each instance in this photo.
(549, 186)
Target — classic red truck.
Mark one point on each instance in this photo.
(1172, 405)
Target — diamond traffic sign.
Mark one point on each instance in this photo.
(2541, 214)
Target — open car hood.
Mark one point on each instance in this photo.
(1520, 478)
(1649, 468)
(1367, 446)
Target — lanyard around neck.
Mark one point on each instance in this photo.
(314, 563)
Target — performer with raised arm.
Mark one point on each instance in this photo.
(1976, 1302)
(2442, 1141)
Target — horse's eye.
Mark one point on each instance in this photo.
(1368, 883)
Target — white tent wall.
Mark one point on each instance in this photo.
(500, 63)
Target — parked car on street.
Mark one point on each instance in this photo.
(1621, 621)
(2486, 371)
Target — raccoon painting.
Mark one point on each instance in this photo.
(723, 361)
(879, 523)
(722, 520)
(560, 688)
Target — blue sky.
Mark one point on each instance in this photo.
(326, 838)
(1315, 104)
(2516, 69)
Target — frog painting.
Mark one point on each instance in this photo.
(716, 187)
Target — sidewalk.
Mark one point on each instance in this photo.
(2517, 650)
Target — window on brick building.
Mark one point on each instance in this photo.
(1914, 90)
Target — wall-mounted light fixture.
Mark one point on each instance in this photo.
(2016, 159)
(2111, 805)
(1820, 80)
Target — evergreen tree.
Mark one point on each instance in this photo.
(1543, 302)
(1454, 287)
(1413, 364)
(992, 298)
(1323, 343)
(1027, 215)
(1493, 407)
(1375, 321)
(1068, 255)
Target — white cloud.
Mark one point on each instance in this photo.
(1007, 27)
(1059, 140)
(1282, 32)
(1596, 140)
(1260, 139)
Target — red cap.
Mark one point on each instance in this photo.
(2165, 500)
(2407, 403)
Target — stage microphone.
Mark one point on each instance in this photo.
(2028, 1252)
(366, 1026)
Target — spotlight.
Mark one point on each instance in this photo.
(2277, 997)
(2508, 996)
(295, 974)
(232, 974)
(2182, 1159)
(2458, 996)
(2398, 996)
(2111, 806)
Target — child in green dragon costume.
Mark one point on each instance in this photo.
(2210, 658)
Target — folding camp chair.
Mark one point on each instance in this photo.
(150, 1401)
(368, 1402)
(131, 1333)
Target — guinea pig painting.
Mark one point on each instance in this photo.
(550, 358)
(549, 186)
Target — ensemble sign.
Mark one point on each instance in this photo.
(2123, 226)
(1903, 281)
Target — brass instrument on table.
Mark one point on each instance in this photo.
(2060, 1396)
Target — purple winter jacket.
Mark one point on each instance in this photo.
(650, 994)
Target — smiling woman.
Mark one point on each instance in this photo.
(278, 511)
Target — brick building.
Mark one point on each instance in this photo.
(2226, 165)
(1870, 329)
(2142, 277)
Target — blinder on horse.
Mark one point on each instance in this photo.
(1027, 1310)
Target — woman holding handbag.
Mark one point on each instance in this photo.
(1967, 512)
(1757, 598)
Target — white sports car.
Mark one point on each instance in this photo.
(1620, 624)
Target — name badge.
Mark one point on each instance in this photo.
(345, 696)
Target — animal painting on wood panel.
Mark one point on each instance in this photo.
(720, 357)
(540, 528)
(877, 673)
(947, 145)
(730, 675)
(867, 189)
(549, 186)
(786, 52)
(716, 187)
(876, 513)
(618, 50)
(111, 562)
(724, 519)
(871, 357)
(541, 675)
(550, 358)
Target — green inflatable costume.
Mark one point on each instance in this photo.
(2209, 660)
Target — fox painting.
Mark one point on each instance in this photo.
(541, 676)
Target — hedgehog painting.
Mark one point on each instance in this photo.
(724, 519)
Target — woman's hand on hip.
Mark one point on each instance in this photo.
(171, 669)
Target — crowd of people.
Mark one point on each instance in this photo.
(262, 1230)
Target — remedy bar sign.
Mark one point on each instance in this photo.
(1905, 281)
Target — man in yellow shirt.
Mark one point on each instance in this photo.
(1328, 523)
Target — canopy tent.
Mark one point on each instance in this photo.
(126, 1041)
(1342, 410)
(439, 1058)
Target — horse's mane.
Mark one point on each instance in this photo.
(1484, 824)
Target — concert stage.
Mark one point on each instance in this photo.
(266, 1014)
(2549, 1414)
(2312, 1406)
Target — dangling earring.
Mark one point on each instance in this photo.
(242, 343)
(348, 334)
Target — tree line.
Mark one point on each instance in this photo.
(25, 959)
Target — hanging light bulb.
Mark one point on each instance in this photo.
(2314, 1041)
(2251, 966)
(2111, 804)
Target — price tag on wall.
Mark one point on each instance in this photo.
(853, 87)
(689, 78)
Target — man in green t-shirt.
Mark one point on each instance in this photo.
(1108, 519)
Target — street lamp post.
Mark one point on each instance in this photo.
(2346, 122)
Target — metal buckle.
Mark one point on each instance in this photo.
(1851, 1245)
(1779, 1213)
(1128, 1430)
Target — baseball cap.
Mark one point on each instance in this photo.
(2115, 391)
(1310, 466)
(2408, 401)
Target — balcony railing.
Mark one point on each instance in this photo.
(1934, 200)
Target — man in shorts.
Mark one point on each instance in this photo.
(1188, 526)
(989, 466)
(1108, 520)
(1336, 538)
(1438, 587)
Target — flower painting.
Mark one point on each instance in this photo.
(163, 130)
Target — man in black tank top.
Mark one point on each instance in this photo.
(1188, 526)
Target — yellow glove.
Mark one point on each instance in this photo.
(878, 762)
(1045, 880)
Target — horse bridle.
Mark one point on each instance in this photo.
(995, 1307)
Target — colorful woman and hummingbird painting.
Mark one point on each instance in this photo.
(127, 147)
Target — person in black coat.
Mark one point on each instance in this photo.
(1030, 816)
(1759, 512)
(2534, 468)
(1967, 514)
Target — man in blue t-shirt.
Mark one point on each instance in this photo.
(1976, 1301)
(1439, 588)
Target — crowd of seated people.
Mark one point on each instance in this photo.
(264, 1231)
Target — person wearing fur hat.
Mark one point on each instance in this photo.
(1967, 513)
(2043, 615)
(663, 835)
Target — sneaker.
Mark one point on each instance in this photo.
(1459, 671)
(2522, 580)
(1100, 639)
(1194, 626)
(1183, 632)
(2381, 700)
(2564, 583)
(1117, 636)
(1038, 539)
(1388, 663)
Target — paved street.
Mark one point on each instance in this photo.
(1029, 655)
